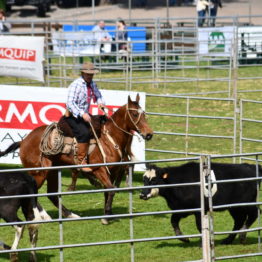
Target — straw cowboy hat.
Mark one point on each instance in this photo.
(89, 68)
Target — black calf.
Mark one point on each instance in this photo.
(19, 184)
(188, 197)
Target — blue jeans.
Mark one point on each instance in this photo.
(213, 14)
(201, 17)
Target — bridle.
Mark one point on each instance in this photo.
(140, 112)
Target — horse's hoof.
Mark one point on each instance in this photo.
(71, 188)
(104, 221)
(72, 215)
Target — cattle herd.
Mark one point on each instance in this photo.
(178, 197)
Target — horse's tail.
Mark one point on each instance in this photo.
(11, 148)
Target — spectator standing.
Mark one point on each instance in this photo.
(4, 26)
(101, 35)
(214, 4)
(121, 35)
(201, 7)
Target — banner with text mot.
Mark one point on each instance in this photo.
(24, 108)
(22, 56)
(216, 41)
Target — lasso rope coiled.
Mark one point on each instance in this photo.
(45, 146)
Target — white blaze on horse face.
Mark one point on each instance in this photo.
(150, 174)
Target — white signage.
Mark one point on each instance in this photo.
(216, 41)
(23, 108)
(22, 56)
(75, 43)
(250, 41)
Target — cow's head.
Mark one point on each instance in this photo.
(153, 176)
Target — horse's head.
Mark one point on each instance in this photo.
(136, 120)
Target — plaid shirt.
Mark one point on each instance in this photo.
(77, 97)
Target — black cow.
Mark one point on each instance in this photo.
(17, 183)
(188, 197)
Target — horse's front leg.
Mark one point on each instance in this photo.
(74, 176)
(103, 176)
(109, 196)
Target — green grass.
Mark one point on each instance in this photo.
(159, 225)
(144, 227)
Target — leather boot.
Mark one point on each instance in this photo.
(81, 156)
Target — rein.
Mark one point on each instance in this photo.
(100, 147)
(140, 111)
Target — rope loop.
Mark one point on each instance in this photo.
(45, 146)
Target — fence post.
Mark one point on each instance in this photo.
(131, 226)
(207, 248)
(60, 215)
(258, 209)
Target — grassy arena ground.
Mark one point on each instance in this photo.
(149, 226)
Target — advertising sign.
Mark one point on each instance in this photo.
(22, 56)
(216, 41)
(75, 43)
(23, 108)
(250, 41)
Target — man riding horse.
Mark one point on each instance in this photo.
(80, 94)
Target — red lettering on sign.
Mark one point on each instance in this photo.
(17, 54)
(31, 114)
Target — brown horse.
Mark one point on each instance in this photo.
(116, 138)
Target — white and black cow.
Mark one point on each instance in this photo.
(17, 183)
(188, 197)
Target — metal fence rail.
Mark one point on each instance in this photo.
(207, 222)
(189, 118)
(171, 52)
(248, 122)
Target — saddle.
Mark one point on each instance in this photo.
(97, 121)
(59, 137)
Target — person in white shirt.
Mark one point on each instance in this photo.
(201, 7)
(4, 26)
(101, 34)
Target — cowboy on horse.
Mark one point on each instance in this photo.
(80, 94)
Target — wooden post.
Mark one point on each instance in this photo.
(206, 239)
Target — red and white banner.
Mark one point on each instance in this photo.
(23, 108)
(22, 56)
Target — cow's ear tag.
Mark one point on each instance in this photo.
(165, 176)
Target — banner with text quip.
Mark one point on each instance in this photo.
(22, 56)
(24, 108)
